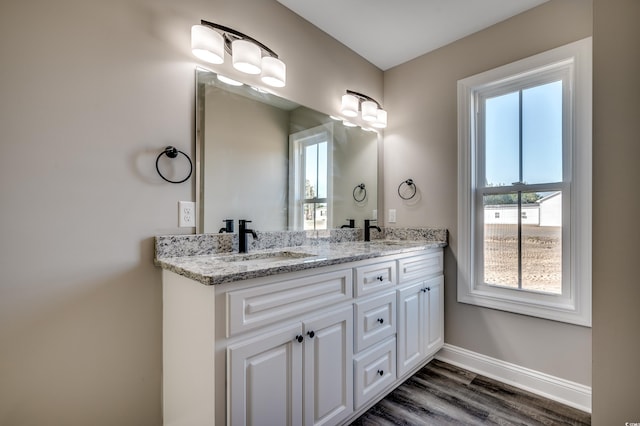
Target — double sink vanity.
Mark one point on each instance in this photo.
(306, 331)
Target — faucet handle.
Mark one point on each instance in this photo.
(228, 225)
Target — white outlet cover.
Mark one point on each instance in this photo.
(186, 214)
(392, 215)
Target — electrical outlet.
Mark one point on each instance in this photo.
(186, 214)
(375, 214)
(392, 215)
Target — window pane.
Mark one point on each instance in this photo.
(502, 140)
(542, 133)
(315, 216)
(311, 171)
(322, 170)
(542, 247)
(321, 216)
(501, 239)
(308, 212)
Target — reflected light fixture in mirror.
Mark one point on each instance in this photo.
(370, 110)
(209, 41)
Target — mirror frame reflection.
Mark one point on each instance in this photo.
(238, 156)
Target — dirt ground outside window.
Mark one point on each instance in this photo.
(541, 257)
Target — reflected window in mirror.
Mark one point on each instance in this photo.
(310, 163)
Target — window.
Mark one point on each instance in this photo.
(310, 183)
(525, 155)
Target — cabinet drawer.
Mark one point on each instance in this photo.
(265, 304)
(420, 267)
(374, 370)
(375, 277)
(375, 320)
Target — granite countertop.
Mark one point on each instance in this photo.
(228, 267)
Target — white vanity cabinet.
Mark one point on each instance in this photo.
(420, 322)
(312, 347)
(298, 374)
(290, 348)
(420, 310)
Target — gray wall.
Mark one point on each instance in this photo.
(421, 143)
(616, 150)
(91, 91)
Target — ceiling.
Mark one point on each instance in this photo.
(390, 32)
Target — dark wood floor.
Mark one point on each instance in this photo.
(442, 394)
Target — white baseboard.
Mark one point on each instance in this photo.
(554, 388)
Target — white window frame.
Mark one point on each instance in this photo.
(297, 142)
(574, 304)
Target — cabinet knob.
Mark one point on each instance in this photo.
(299, 338)
(380, 278)
(381, 372)
(428, 288)
(311, 334)
(424, 290)
(381, 320)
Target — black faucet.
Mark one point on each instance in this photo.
(367, 227)
(228, 226)
(352, 224)
(242, 235)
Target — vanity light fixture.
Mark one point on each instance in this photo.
(370, 109)
(209, 41)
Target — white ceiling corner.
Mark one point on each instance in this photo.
(388, 33)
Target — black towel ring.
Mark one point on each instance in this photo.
(172, 152)
(409, 183)
(362, 189)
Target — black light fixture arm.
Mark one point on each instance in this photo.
(230, 35)
(362, 97)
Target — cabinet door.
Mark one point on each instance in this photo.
(411, 327)
(328, 367)
(265, 379)
(435, 314)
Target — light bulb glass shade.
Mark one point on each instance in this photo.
(349, 106)
(247, 57)
(381, 120)
(207, 44)
(349, 124)
(274, 72)
(369, 111)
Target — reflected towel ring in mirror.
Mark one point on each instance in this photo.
(362, 190)
(409, 183)
(172, 153)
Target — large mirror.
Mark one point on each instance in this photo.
(279, 164)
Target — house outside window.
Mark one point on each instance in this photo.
(525, 186)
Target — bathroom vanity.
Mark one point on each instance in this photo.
(299, 335)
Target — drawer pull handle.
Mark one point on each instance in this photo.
(380, 278)
(299, 338)
(380, 372)
(381, 320)
(311, 334)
